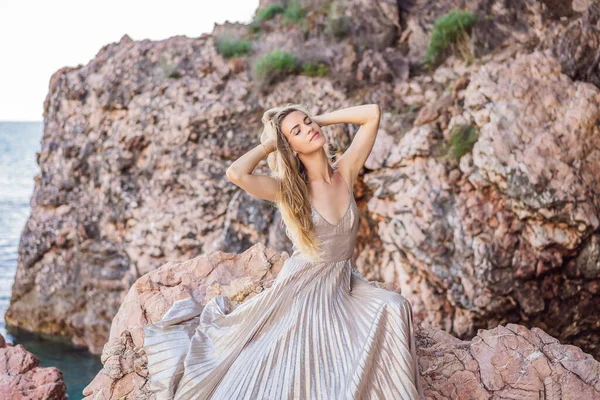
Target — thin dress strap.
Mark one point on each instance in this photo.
(347, 186)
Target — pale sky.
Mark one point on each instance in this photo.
(39, 37)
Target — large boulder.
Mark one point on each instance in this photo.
(22, 378)
(506, 362)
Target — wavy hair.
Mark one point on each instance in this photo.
(292, 198)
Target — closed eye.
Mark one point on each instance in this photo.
(307, 123)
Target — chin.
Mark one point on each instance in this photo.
(319, 139)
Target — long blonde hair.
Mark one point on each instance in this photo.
(292, 198)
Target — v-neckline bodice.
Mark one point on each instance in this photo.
(347, 208)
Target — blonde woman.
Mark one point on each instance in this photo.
(320, 331)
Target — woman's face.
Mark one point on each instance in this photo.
(303, 134)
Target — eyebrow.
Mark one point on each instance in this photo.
(294, 127)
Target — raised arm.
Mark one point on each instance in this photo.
(368, 116)
(240, 173)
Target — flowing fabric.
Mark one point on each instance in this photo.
(321, 331)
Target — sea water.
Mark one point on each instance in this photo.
(19, 142)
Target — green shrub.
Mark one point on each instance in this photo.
(462, 140)
(314, 68)
(254, 27)
(275, 65)
(264, 14)
(447, 31)
(294, 13)
(338, 27)
(269, 12)
(229, 47)
(169, 70)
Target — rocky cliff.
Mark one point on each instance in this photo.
(479, 200)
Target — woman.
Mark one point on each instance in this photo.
(321, 331)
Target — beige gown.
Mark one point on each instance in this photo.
(321, 331)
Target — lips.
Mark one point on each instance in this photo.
(313, 135)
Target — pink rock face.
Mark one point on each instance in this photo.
(507, 362)
(509, 233)
(21, 377)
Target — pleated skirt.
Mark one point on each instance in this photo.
(321, 331)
